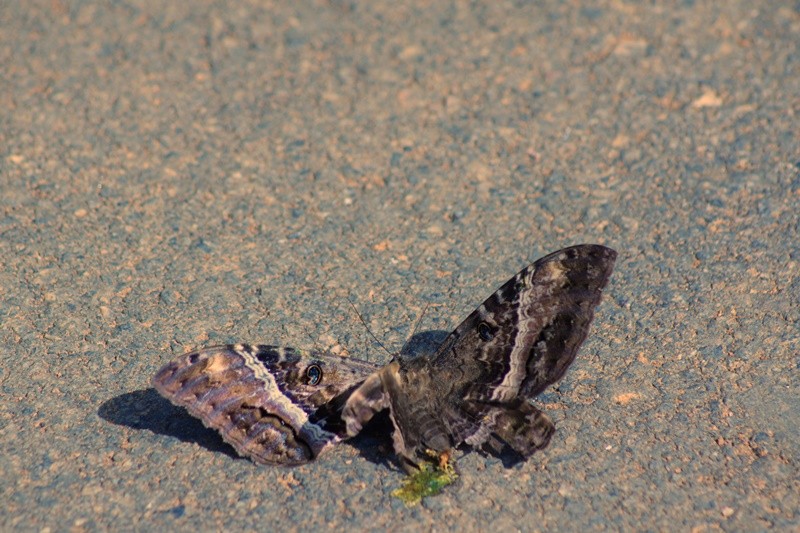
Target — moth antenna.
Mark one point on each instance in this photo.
(416, 326)
(364, 322)
(419, 320)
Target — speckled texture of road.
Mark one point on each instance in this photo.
(175, 175)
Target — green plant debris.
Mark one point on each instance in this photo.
(429, 480)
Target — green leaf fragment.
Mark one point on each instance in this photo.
(428, 481)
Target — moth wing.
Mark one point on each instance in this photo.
(584, 273)
(522, 427)
(516, 343)
(366, 401)
(526, 334)
(265, 401)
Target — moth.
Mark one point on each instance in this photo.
(282, 406)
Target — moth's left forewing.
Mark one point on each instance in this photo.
(264, 400)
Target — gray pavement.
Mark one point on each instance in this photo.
(175, 175)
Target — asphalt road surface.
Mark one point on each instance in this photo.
(176, 175)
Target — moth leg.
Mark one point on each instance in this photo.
(524, 428)
(444, 459)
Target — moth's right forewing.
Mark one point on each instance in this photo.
(571, 282)
(517, 342)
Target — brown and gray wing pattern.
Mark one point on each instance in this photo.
(526, 334)
(520, 340)
(271, 404)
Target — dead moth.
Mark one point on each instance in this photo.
(279, 406)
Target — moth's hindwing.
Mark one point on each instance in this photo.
(272, 404)
(522, 427)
